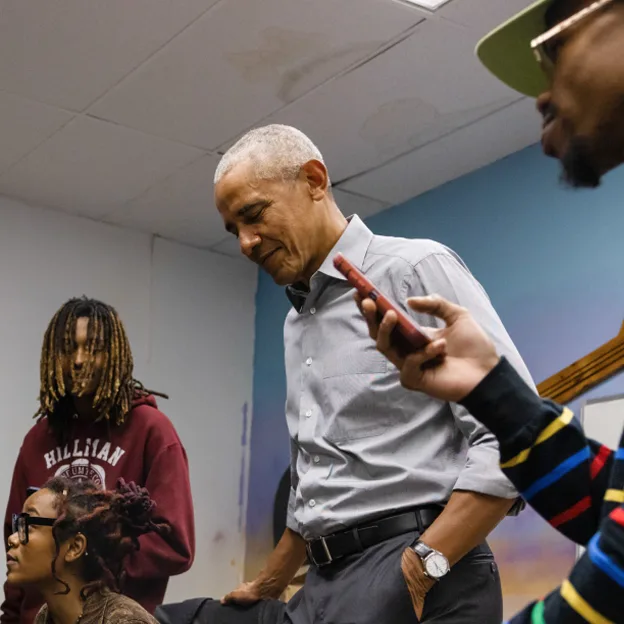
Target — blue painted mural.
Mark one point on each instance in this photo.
(552, 262)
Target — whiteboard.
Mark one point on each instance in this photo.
(603, 420)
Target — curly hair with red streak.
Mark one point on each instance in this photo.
(111, 521)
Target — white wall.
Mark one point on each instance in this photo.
(190, 318)
(202, 356)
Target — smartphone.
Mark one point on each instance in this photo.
(406, 336)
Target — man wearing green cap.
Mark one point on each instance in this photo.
(569, 54)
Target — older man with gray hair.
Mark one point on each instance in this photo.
(393, 492)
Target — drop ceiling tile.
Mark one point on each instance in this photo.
(24, 124)
(484, 15)
(461, 152)
(350, 203)
(69, 52)
(180, 206)
(414, 93)
(91, 167)
(230, 247)
(245, 59)
(194, 234)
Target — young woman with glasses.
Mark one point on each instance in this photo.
(69, 543)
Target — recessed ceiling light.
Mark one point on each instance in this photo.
(430, 5)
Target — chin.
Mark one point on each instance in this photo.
(89, 391)
(13, 578)
(283, 276)
(282, 280)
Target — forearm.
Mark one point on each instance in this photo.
(466, 521)
(539, 439)
(282, 565)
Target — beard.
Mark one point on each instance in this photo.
(579, 170)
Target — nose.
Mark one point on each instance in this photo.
(79, 357)
(248, 241)
(544, 104)
(13, 540)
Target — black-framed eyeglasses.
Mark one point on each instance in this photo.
(22, 521)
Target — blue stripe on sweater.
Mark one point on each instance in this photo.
(557, 473)
(603, 562)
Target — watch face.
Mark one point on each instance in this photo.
(436, 565)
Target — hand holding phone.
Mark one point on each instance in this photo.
(406, 335)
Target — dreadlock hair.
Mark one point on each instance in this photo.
(111, 521)
(117, 387)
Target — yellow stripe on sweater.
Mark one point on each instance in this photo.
(614, 496)
(563, 420)
(581, 606)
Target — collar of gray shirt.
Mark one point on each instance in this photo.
(352, 244)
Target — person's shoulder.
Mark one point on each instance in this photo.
(146, 422)
(146, 413)
(38, 434)
(402, 253)
(120, 608)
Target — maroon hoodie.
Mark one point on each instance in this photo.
(147, 450)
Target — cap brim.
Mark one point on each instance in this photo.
(507, 53)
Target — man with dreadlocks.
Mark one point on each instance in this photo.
(96, 422)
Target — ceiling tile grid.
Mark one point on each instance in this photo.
(91, 166)
(69, 52)
(116, 110)
(416, 92)
(178, 205)
(24, 125)
(245, 59)
(504, 132)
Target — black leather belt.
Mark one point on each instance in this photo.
(324, 550)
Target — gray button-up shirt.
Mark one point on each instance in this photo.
(361, 445)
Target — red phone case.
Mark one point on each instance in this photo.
(413, 337)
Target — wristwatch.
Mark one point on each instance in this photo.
(435, 564)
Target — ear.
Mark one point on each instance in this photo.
(317, 178)
(76, 548)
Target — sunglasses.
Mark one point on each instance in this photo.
(544, 46)
(22, 521)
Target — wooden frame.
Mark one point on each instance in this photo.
(586, 373)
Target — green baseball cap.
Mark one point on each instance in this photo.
(507, 53)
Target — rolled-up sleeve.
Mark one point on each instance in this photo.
(445, 274)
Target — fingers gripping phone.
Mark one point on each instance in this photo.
(406, 336)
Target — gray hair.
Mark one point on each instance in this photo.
(275, 151)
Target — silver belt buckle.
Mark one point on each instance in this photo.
(325, 548)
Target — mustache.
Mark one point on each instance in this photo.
(578, 168)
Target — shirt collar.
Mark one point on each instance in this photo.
(352, 244)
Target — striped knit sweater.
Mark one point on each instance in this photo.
(575, 483)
